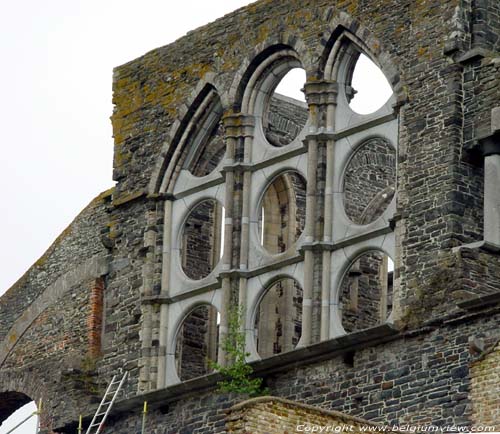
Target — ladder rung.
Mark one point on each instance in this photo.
(105, 406)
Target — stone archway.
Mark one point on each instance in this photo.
(10, 401)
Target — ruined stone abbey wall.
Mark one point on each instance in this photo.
(288, 216)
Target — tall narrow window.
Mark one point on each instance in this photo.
(197, 342)
(278, 323)
(283, 212)
(202, 239)
(366, 297)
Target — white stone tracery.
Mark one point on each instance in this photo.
(332, 124)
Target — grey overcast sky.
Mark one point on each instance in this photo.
(57, 58)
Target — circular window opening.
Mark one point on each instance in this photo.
(278, 323)
(367, 288)
(286, 113)
(202, 239)
(282, 212)
(369, 89)
(197, 343)
(370, 181)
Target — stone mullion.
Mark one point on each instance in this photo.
(309, 230)
(247, 130)
(322, 98)
(240, 128)
(309, 238)
(228, 245)
(492, 198)
(147, 376)
(165, 291)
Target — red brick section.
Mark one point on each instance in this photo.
(273, 415)
(485, 388)
(94, 321)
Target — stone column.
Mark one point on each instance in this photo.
(322, 100)
(238, 132)
(492, 192)
(228, 245)
(490, 147)
(246, 131)
(165, 291)
(147, 381)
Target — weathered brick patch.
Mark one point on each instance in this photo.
(270, 414)
(485, 389)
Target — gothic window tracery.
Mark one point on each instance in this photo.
(284, 208)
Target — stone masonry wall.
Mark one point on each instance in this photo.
(55, 354)
(424, 378)
(444, 102)
(129, 225)
(80, 241)
(485, 24)
(366, 275)
(199, 236)
(192, 342)
(47, 320)
(284, 120)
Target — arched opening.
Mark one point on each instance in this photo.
(197, 145)
(286, 111)
(370, 181)
(202, 239)
(197, 342)
(205, 137)
(15, 408)
(271, 90)
(210, 152)
(366, 291)
(278, 320)
(369, 89)
(282, 212)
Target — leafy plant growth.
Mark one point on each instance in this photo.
(237, 372)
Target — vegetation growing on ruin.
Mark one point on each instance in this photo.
(237, 374)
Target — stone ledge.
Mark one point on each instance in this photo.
(472, 55)
(485, 246)
(122, 199)
(480, 302)
(490, 144)
(326, 349)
